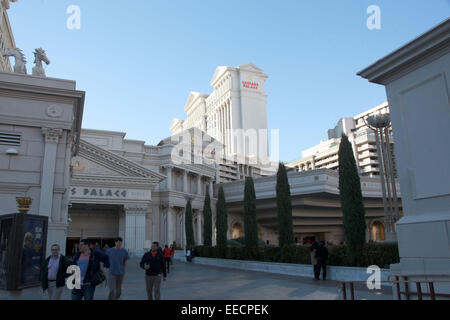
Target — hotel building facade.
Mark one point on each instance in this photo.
(96, 184)
(137, 191)
(235, 114)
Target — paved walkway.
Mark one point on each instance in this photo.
(189, 281)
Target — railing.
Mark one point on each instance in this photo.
(407, 292)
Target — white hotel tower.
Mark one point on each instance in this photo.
(239, 101)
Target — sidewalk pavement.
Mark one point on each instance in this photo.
(188, 281)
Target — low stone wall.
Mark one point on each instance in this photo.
(300, 270)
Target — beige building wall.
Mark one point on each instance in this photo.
(40, 120)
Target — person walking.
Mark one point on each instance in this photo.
(153, 264)
(53, 273)
(172, 255)
(167, 256)
(313, 248)
(118, 257)
(188, 255)
(322, 257)
(91, 274)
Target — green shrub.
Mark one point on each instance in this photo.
(234, 243)
(261, 243)
(380, 254)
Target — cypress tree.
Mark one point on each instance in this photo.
(188, 226)
(221, 219)
(284, 208)
(207, 222)
(353, 212)
(250, 223)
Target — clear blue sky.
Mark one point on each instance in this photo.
(138, 60)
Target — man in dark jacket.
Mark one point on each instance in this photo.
(313, 248)
(322, 257)
(153, 264)
(90, 270)
(53, 273)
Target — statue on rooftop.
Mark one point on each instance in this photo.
(39, 56)
(20, 61)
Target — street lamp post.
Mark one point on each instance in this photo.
(380, 124)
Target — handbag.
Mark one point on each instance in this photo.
(98, 278)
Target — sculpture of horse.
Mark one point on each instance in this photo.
(39, 56)
(20, 61)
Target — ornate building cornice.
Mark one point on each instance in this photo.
(135, 209)
(116, 162)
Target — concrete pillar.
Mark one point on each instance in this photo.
(222, 112)
(185, 185)
(48, 171)
(169, 177)
(135, 228)
(149, 235)
(211, 188)
(199, 228)
(183, 228)
(227, 126)
(57, 229)
(170, 225)
(199, 184)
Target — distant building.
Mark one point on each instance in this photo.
(362, 138)
(231, 114)
(316, 207)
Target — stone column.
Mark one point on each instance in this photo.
(199, 184)
(169, 177)
(170, 233)
(48, 171)
(185, 185)
(135, 228)
(199, 228)
(228, 127)
(149, 234)
(183, 229)
(66, 197)
(211, 188)
(222, 122)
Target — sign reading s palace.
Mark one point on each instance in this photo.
(109, 193)
(96, 192)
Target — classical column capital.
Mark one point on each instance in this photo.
(136, 209)
(70, 137)
(51, 135)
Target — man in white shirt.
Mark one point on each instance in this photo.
(53, 273)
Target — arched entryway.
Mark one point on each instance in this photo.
(377, 231)
(237, 231)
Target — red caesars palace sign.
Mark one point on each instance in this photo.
(250, 84)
